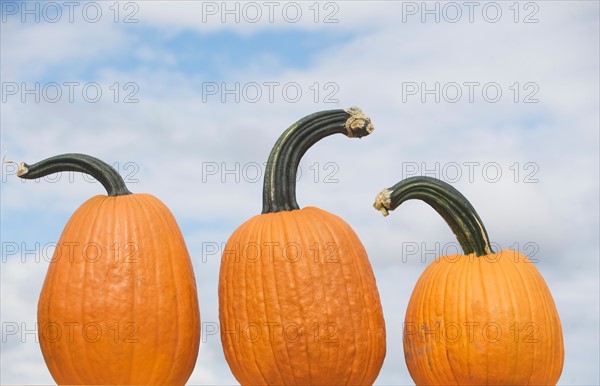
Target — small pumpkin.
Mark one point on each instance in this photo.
(119, 302)
(298, 302)
(481, 318)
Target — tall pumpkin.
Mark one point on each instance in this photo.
(298, 303)
(119, 302)
(482, 318)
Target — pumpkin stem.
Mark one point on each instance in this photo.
(73, 162)
(456, 210)
(279, 189)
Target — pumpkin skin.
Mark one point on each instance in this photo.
(298, 302)
(481, 318)
(119, 303)
(306, 309)
(496, 323)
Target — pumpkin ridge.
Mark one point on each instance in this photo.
(549, 305)
(414, 311)
(239, 278)
(460, 272)
(45, 309)
(524, 288)
(347, 297)
(159, 298)
(247, 309)
(514, 307)
(496, 287)
(519, 274)
(268, 231)
(542, 306)
(487, 312)
(255, 229)
(91, 230)
(336, 356)
(273, 229)
(425, 314)
(293, 277)
(419, 310)
(541, 287)
(110, 228)
(555, 330)
(85, 266)
(226, 283)
(468, 309)
(177, 291)
(164, 222)
(50, 298)
(325, 280)
(451, 269)
(65, 298)
(355, 265)
(304, 239)
(444, 288)
(430, 314)
(188, 288)
(135, 236)
(329, 283)
(358, 262)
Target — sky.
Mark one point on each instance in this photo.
(185, 99)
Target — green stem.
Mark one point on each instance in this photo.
(100, 170)
(279, 189)
(455, 209)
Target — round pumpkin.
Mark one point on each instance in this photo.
(481, 318)
(298, 302)
(119, 302)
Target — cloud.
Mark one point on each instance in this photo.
(203, 157)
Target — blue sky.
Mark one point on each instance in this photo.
(197, 150)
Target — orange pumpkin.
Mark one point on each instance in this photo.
(482, 318)
(119, 302)
(298, 302)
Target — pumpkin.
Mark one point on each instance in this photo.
(298, 302)
(119, 302)
(482, 318)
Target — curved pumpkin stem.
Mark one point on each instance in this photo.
(74, 162)
(456, 210)
(279, 189)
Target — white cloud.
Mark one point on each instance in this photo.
(171, 133)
